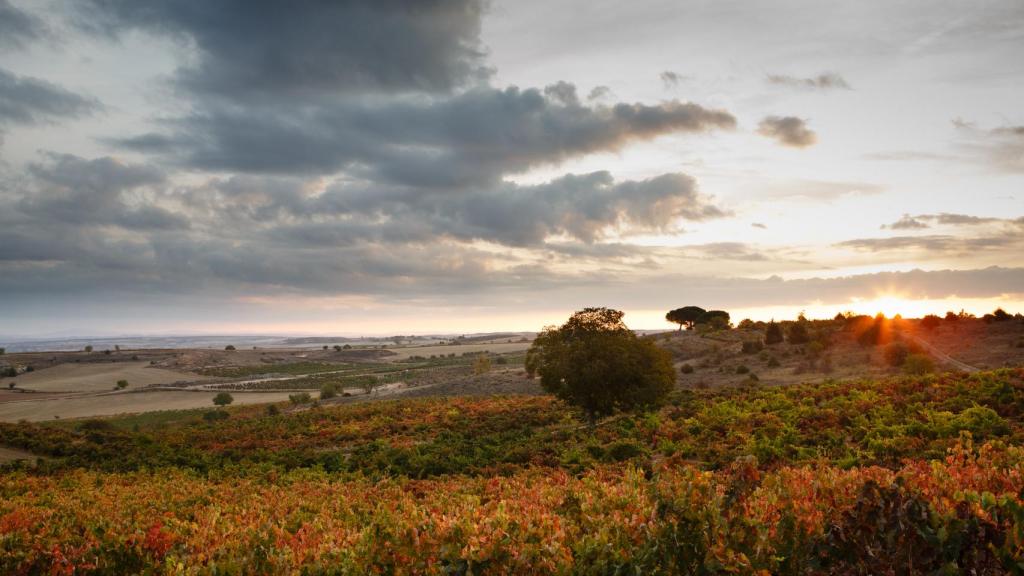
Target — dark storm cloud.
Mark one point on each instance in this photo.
(106, 224)
(250, 49)
(472, 137)
(26, 100)
(70, 191)
(581, 207)
(17, 27)
(788, 131)
(826, 81)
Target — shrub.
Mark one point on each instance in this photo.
(214, 415)
(346, 347)
(223, 399)
(918, 364)
(797, 333)
(300, 398)
(752, 346)
(623, 450)
(3, 351)
(482, 364)
(752, 377)
(273, 410)
(930, 322)
(501, 360)
(595, 362)
(773, 333)
(337, 348)
(741, 369)
(773, 362)
(686, 369)
(328, 391)
(895, 354)
(229, 347)
(122, 384)
(88, 348)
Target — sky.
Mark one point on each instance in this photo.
(434, 166)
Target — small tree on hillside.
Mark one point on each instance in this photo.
(595, 362)
(773, 333)
(223, 399)
(686, 316)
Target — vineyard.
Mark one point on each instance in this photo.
(910, 475)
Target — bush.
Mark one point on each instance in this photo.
(773, 362)
(122, 384)
(752, 346)
(930, 322)
(797, 333)
(88, 348)
(273, 410)
(623, 450)
(223, 399)
(686, 369)
(482, 364)
(300, 398)
(215, 415)
(595, 362)
(229, 347)
(895, 354)
(328, 391)
(501, 360)
(918, 364)
(3, 351)
(773, 333)
(741, 369)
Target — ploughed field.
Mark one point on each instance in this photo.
(894, 475)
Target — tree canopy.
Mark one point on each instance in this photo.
(595, 362)
(686, 316)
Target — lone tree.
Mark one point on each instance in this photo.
(223, 399)
(773, 333)
(595, 362)
(686, 316)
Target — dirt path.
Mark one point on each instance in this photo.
(942, 356)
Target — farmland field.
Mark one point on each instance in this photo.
(458, 349)
(121, 403)
(97, 377)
